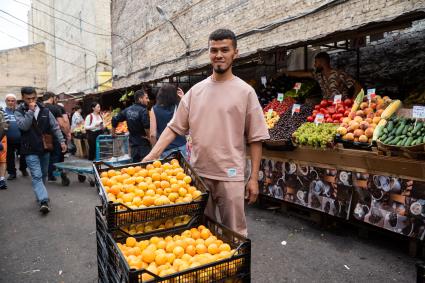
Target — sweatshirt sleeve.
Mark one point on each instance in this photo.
(24, 121)
(55, 128)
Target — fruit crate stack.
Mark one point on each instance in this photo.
(146, 200)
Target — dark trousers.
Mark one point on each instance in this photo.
(91, 139)
(14, 148)
(56, 156)
(138, 152)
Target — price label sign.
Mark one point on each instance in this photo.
(264, 80)
(280, 97)
(418, 112)
(337, 99)
(297, 86)
(371, 93)
(269, 113)
(319, 119)
(296, 108)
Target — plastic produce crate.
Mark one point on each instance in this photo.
(116, 216)
(234, 269)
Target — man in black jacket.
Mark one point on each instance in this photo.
(36, 122)
(137, 118)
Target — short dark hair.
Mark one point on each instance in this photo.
(93, 105)
(27, 90)
(323, 56)
(221, 34)
(138, 94)
(47, 95)
(167, 96)
(77, 107)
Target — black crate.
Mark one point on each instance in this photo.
(116, 216)
(237, 268)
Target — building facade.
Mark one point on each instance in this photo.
(77, 37)
(152, 49)
(22, 66)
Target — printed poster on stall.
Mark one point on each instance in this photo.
(387, 202)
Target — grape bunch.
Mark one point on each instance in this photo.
(321, 135)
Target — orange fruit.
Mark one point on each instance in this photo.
(191, 250)
(157, 164)
(178, 252)
(162, 244)
(165, 184)
(148, 255)
(104, 174)
(195, 234)
(187, 179)
(201, 249)
(130, 170)
(174, 162)
(157, 184)
(143, 173)
(213, 249)
(111, 173)
(149, 167)
(130, 242)
(180, 175)
(205, 234)
(170, 257)
(170, 246)
(156, 177)
(161, 259)
(225, 247)
(182, 192)
(181, 243)
(148, 201)
(114, 190)
(210, 240)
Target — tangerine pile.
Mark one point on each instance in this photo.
(157, 184)
(165, 256)
(150, 226)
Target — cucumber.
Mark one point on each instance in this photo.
(387, 140)
(404, 141)
(400, 129)
(417, 128)
(409, 141)
(409, 134)
(423, 139)
(383, 137)
(399, 143)
(385, 130)
(405, 130)
(390, 125)
(395, 141)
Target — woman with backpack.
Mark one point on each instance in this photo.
(94, 127)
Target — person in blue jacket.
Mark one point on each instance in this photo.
(13, 135)
(137, 118)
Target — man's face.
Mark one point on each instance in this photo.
(318, 65)
(144, 99)
(11, 102)
(29, 98)
(222, 53)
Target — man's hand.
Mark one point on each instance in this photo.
(150, 157)
(252, 191)
(64, 147)
(32, 106)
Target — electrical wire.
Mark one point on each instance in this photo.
(46, 38)
(42, 51)
(65, 21)
(64, 40)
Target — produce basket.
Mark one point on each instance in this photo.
(284, 145)
(118, 214)
(353, 144)
(412, 152)
(236, 268)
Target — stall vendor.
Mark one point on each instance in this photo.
(332, 82)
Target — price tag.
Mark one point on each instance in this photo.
(264, 80)
(319, 119)
(280, 97)
(419, 112)
(269, 113)
(297, 86)
(371, 93)
(296, 108)
(337, 99)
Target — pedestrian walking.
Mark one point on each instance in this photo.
(13, 135)
(223, 114)
(77, 119)
(137, 118)
(38, 126)
(167, 101)
(56, 155)
(94, 127)
(4, 124)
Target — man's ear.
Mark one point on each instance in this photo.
(236, 55)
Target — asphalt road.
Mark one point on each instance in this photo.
(61, 247)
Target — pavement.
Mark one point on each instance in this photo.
(61, 246)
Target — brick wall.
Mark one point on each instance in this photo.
(150, 49)
(22, 66)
